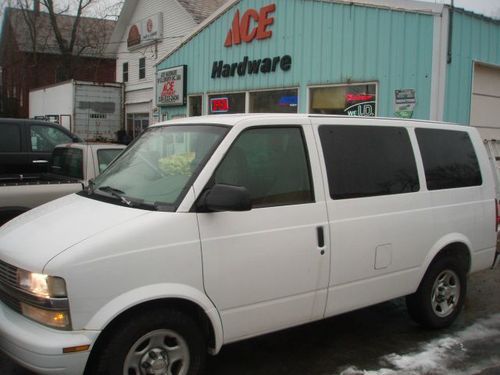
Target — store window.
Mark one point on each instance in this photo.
(125, 72)
(347, 100)
(142, 68)
(226, 103)
(195, 105)
(275, 101)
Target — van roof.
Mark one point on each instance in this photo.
(234, 119)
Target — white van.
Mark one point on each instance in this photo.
(210, 230)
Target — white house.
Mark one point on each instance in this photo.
(145, 32)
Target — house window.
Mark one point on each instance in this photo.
(142, 68)
(60, 73)
(125, 72)
(347, 100)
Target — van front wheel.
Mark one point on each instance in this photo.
(441, 294)
(157, 342)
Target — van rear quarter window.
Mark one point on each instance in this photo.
(449, 159)
(365, 161)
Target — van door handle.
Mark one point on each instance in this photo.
(321, 237)
(40, 161)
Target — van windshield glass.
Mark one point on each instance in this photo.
(158, 168)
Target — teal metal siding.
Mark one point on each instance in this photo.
(330, 43)
(474, 38)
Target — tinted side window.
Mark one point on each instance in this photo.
(449, 159)
(364, 161)
(45, 138)
(10, 141)
(272, 164)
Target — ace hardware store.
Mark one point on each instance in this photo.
(389, 58)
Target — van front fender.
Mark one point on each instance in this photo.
(155, 292)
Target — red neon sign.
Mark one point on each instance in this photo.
(219, 105)
(359, 97)
(240, 28)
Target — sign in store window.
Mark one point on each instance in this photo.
(226, 103)
(347, 100)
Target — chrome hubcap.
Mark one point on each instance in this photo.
(445, 293)
(160, 352)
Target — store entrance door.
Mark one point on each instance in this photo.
(137, 123)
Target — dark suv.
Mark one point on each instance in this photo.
(26, 145)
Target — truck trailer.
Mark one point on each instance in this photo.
(93, 111)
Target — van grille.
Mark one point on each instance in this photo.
(8, 274)
(8, 282)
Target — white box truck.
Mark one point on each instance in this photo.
(92, 110)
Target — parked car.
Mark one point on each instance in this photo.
(26, 145)
(73, 165)
(210, 230)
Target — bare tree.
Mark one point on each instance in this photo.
(67, 46)
(57, 27)
(106, 9)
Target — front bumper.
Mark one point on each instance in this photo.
(39, 348)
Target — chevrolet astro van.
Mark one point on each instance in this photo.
(210, 230)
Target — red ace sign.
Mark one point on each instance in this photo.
(251, 25)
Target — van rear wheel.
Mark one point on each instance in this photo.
(156, 342)
(441, 294)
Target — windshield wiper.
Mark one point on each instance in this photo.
(117, 193)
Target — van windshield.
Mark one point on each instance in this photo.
(159, 167)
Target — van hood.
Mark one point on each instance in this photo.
(32, 239)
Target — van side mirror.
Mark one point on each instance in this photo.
(225, 198)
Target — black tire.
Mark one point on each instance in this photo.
(441, 294)
(172, 328)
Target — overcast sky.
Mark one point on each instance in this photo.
(487, 7)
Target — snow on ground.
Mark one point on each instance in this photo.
(451, 355)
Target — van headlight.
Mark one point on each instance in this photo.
(43, 298)
(41, 285)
